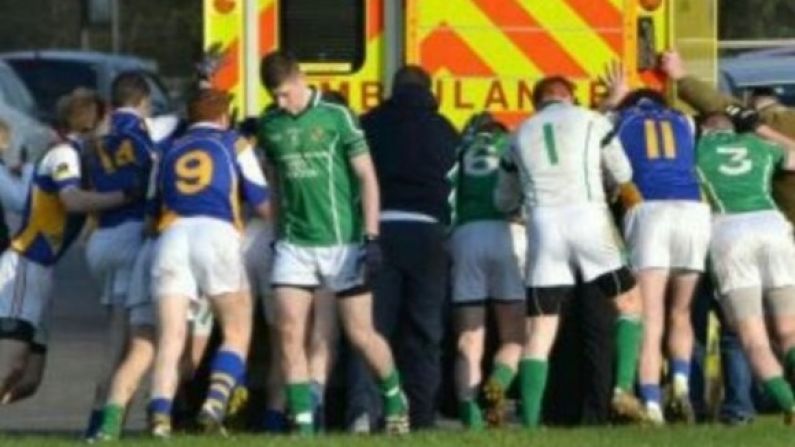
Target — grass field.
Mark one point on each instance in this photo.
(767, 432)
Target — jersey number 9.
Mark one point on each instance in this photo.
(194, 171)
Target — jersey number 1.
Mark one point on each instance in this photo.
(194, 171)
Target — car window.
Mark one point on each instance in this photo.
(48, 80)
(161, 101)
(784, 92)
(14, 93)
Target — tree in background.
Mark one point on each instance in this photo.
(757, 19)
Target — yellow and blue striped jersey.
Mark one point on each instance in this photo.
(208, 172)
(47, 228)
(122, 160)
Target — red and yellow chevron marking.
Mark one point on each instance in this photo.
(223, 20)
(486, 54)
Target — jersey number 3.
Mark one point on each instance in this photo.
(738, 162)
(194, 171)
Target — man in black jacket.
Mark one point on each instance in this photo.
(413, 148)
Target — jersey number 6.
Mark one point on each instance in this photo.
(194, 171)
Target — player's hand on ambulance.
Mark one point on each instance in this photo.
(615, 79)
(372, 255)
(672, 65)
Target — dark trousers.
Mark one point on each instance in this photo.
(409, 298)
(581, 365)
(738, 381)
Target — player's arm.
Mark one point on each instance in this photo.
(63, 165)
(508, 192)
(615, 80)
(696, 93)
(77, 200)
(782, 141)
(271, 176)
(13, 190)
(616, 165)
(371, 203)
(355, 146)
(252, 181)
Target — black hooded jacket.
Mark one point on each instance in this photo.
(413, 148)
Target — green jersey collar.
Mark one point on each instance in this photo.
(314, 100)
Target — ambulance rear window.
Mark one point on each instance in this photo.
(327, 36)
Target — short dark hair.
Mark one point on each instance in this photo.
(720, 117)
(636, 96)
(277, 67)
(80, 111)
(549, 85)
(208, 104)
(412, 75)
(129, 89)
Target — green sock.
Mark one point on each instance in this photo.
(532, 381)
(502, 374)
(299, 402)
(628, 335)
(112, 420)
(393, 395)
(470, 414)
(789, 360)
(780, 391)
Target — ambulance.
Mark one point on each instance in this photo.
(482, 54)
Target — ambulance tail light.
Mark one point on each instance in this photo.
(650, 5)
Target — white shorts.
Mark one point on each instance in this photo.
(484, 264)
(140, 291)
(337, 268)
(200, 317)
(753, 249)
(258, 255)
(566, 239)
(198, 255)
(519, 236)
(111, 255)
(668, 234)
(25, 288)
(141, 310)
(140, 306)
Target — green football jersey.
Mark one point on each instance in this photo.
(319, 198)
(736, 171)
(479, 161)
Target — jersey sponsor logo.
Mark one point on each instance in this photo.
(297, 168)
(62, 171)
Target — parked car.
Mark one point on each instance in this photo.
(19, 111)
(765, 68)
(50, 74)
